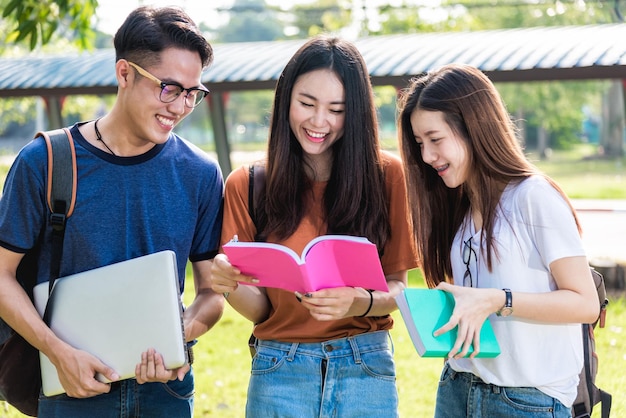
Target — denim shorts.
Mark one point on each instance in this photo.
(347, 377)
(127, 399)
(465, 395)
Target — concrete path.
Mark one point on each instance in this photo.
(604, 228)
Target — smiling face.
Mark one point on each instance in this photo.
(317, 112)
(148, 119)
(441, 147)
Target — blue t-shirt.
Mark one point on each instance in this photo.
(169, 198)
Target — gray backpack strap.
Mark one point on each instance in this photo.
(61, 186)
(61, 190)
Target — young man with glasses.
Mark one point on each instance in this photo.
(141, 189)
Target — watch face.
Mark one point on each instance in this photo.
(506, 311)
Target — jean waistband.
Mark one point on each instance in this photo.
(348, 346)
(472, 379)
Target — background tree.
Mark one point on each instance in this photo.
(552, 111)
(322, 16)
(35, 22)
(554, 108)
(516, 14)
(50, 27)
(250, 20)
(550, 114)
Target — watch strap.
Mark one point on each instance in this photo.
(507, 309)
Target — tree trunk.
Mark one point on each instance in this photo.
(520, 124)
(542, 143)
(613, 123)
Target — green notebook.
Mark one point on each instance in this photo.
(426, 310)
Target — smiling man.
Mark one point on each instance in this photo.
(141, 189)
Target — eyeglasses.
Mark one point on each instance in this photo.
(467, 256)
(171, 91)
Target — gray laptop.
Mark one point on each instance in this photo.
(117, 312)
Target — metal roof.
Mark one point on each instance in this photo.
(524, 54)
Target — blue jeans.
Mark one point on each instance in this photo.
(465, 395)
(127, 399)
(347, 377)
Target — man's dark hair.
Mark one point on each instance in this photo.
(147, 31)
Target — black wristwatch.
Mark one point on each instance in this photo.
(507, 309)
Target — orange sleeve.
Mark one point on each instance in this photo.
(237, 219)
(399, 253)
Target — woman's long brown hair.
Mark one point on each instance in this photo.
(474, 110)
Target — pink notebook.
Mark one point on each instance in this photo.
(327, 261)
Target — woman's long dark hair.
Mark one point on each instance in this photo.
(473, 109)
(354, 200)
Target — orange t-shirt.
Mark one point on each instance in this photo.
(289, 321)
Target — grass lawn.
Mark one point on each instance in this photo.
(584, 177)
(223, 361)
(223, 366)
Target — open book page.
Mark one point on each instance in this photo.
(341, 260)
(273, 265)
(332, 238)
(331, 261)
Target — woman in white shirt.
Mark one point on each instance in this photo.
(502, 238)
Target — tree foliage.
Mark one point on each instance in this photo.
(556, 106)
(322, 16)
(49, 26)
(250, 20)
(34, 22)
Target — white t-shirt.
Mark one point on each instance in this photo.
(534, 227)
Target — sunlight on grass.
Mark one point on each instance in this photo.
(222, 365)
(583, 177)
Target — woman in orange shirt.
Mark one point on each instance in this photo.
(325, 353)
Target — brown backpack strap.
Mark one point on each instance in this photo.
(60, 194)
(62, 177)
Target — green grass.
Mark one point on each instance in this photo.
(223, 361)
(583, 176)
(222, 365)
(580, 176)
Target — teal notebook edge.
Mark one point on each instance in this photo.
(426, 310)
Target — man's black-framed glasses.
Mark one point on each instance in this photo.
(467, 257)
(171, 91)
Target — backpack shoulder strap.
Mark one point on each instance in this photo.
(61, 187)
(606, 400)
(60, 191)
(251, 190)
(598, 281)
(255, 187)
